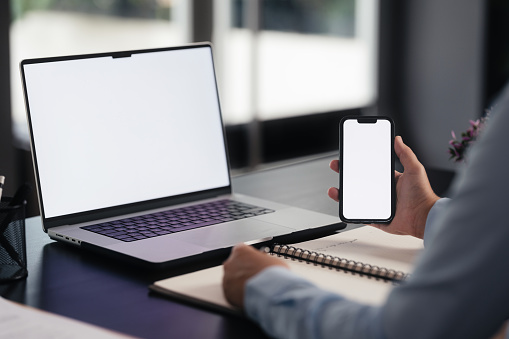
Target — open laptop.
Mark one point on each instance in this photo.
(117, 136)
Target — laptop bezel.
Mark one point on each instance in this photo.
(109, 212)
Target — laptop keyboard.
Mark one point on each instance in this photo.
(177, 220)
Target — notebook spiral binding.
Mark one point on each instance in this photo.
(311, 257)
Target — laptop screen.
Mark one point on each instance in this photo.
(109, 131)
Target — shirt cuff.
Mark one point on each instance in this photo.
(435, 211)
(260, 288)
(266, 300)
(286, 305)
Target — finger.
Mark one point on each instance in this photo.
(407, 158)
(242, 251)
(239, 247)
(235, 252)
(397, 175)
(334, 165)
(333, 193)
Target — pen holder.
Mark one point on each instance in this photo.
(13, 263)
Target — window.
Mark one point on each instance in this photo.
(43, 28)
(299, 56)
(274, 58)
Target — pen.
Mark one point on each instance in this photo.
(2, 180)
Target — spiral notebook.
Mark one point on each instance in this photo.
(363, 264)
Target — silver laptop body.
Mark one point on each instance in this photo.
(119, 135)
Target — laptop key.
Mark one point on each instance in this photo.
(178, 220)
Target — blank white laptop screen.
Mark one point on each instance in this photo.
(112, 131)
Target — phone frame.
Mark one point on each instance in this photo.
(366, 119)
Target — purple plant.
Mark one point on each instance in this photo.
(458, 147)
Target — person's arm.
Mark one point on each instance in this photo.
(288, 306)
(458, 290)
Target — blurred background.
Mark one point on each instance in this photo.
(287, 70)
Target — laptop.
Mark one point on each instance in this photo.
(130, 157)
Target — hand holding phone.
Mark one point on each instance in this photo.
(366, 187)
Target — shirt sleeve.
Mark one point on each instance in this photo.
(288, 306)
(438, 208)
(459, 288)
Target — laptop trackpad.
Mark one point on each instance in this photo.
(230, 234)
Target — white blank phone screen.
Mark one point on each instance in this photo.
(367, 170)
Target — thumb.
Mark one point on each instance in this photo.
(406, 156)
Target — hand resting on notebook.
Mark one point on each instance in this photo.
(244, 262)
(413, 193)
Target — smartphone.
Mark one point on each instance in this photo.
(367, 191)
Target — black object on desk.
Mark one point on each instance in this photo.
(13, 262)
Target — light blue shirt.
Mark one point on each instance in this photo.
(459, 288)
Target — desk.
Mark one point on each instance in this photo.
(107, 293)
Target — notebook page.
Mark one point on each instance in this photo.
(365, 244)
(205, 286)
(369, 245)
(202, 286)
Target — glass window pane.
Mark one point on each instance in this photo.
(43, 28)
(326, 17)
(308, 57)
